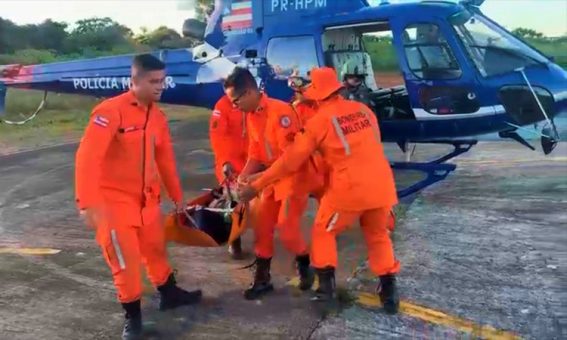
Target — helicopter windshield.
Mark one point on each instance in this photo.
(493, 50)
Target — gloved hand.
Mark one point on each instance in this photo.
(179, 206)
(246, 193)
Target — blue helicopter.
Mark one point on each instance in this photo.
(463, 74)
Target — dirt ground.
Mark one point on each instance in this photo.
(388, 79)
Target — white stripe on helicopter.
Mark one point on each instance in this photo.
(235, 18)
(421, 114)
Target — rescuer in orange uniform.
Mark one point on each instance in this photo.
(272, 126)
(361, 184)
(229, 142)
(125, 151)
(316, 171)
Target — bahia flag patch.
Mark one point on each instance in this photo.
(238, 16)
(101, 121)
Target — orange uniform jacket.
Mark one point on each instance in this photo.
(312, 174)
(228, 136)
(347, 136)
(304, 111)
(125, 151)
(272, 129)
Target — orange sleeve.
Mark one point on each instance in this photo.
(373, 120)
(165, 159)
(101, 129)
(218, 129)
(295, 155)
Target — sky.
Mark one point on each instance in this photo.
(546, 16)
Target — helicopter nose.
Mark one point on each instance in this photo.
(561, 118)
(528, 105)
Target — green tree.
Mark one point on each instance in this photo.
(162, 37)
(98, 34)
(527, 33)
(11, 36)
(49, 35)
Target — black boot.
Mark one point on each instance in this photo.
(173, 296)
(133, 323)
(327, 287)
(325, 299)
(235, 249)
(306, 275)
(388, 294)
(262, 278)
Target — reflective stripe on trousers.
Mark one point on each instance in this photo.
(117, 249)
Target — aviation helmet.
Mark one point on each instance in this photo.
(351, 68)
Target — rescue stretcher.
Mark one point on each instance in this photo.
(213, 219)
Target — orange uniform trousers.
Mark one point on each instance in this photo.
(126, 247)
(374, 223)
(283, 215)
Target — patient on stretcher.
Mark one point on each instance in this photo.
(212, 219)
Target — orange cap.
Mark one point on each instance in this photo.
(324, 82)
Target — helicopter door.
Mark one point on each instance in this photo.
(439, 85)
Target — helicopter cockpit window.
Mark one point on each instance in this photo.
(288, 54)
(493, 50)
(428, 53)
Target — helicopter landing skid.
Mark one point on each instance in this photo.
(436, 170)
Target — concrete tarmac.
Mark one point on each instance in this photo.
(483, 251)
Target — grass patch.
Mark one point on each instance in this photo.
(63, 119)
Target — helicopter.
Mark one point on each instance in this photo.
(464, 75)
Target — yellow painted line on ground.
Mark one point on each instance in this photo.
(436, 317)
(440, 318)
(513, 161)
(30, 251)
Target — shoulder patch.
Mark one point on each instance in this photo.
(216, 113)
(101, 121)
(285, 121)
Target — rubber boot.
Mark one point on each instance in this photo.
(133, 321)
(325, 298)
(388, 294)
(235, 249)
(327, 287)
(262, 278)
(173, 296)
(306, 275)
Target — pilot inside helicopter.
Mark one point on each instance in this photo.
(354, 77)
